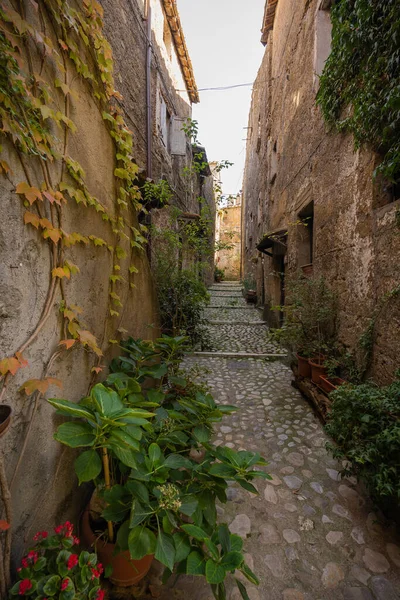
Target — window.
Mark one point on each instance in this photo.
(164, 122)
(323, 38)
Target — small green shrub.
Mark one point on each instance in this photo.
(365, 423)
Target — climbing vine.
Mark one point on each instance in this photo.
(42, 56)
(360, 85)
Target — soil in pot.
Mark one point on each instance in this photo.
(125, 571)
(317, 369)
(303, 367)
(328, 384)
(5, 418)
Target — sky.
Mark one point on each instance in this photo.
(223, 38)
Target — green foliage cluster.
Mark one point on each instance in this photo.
(166, 474)
(360, 84)
(365, 423)
(219, 274)
(310, 316)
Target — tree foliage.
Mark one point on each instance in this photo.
(360, 84)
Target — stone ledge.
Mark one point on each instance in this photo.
(233, 323)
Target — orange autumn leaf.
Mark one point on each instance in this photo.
(67, 343)
(32, 219)
(53, 234)
(52, 198)
(39, 385)
(97, 369)
(46, 224)
(63, 44)
(61, 272)
(4, 525)
(12, 364)
(88, 339)
(30, 193)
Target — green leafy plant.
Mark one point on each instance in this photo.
(165, 475)
(249, 283)
(219, 274)
(52, 569)
(365, 424)
(156, 195)
(359, 87)
(310, 316)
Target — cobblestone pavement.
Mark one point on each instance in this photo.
(240, 337)
(248, 314)
(309, 534)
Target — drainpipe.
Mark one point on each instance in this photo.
(148, 91)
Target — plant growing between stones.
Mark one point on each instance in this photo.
(166, 474)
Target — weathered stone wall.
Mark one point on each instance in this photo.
(229, 232)
(292, 161)
(40, 471)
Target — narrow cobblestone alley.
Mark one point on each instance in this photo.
(309, 535)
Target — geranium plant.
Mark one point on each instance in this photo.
(53, 569)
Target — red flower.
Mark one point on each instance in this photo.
(40, 535)
(72, 561)
(24, 586)
(97, 571)
(76, 541)
(100, 595)
(64, 584)
(66, 529)
(24, 563)
(33, 556)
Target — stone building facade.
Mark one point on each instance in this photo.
(309, 199)
(155, 76)
(228, 238)
(39, 471)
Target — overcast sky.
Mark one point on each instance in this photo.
(223, 37)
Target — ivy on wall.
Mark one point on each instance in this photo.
(360, 85)
(33, 112)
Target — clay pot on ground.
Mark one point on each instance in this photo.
(125, 571)
(217, 279)
(251, 296)
(308, 270)
(303, 367)
(328, 384)
(5, 418)
(317, 369)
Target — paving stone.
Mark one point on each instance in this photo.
(291, 536)
(291, 553)
(383, 589)
(270, 494)
(269, 534)
(290, 507)
(357, 593)
(293, 482)
(275, 565)
(375, 561)
(334, 537)
(332, 575)
(354, 499)
(360, 574)
(333, 474)
(394, 553)
(341, 511)
(296, 459)
(358, 535)
(292, 594)
(317, 487)
(326, 519)
(275, 480)
(241, 525)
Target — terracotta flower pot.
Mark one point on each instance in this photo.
(317, 369)
(308, 270)
(5, 418)
(125, 571)
(303, 367)
(328, 384)
(251, 296)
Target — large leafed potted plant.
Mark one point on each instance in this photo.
(157, 495)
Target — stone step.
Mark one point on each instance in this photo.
(242, 306)
(236, 323)
(238, 355)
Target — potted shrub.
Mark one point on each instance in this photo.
(250, 290)
(328, 383)
(157, 498)
(219, 275)
(52, 568)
